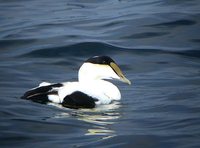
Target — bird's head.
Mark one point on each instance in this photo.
(101, 67)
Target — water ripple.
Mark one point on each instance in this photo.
(155, 43)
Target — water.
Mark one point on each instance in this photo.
(156, 43)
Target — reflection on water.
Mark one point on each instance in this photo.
(99, 117)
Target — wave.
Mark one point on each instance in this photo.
(79, 49)
(99, 48)
(176, 23)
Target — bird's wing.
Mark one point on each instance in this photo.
(41, 93)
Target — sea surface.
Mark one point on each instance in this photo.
(156, 43)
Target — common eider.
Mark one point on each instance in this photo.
(91, 89)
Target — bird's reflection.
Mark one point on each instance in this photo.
(100, 118)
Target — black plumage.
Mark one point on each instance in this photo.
(40, 94)
(104, 60)
(79, 100)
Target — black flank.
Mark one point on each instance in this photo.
(79, 100)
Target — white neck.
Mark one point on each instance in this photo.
(86, 74)
(92, 76)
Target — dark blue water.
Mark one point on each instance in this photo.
(155, 42)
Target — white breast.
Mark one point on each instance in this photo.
(102, 90)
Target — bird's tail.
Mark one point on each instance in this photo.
(40, 93)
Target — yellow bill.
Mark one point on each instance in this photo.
(119, 73)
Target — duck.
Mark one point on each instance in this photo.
(93, 87)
